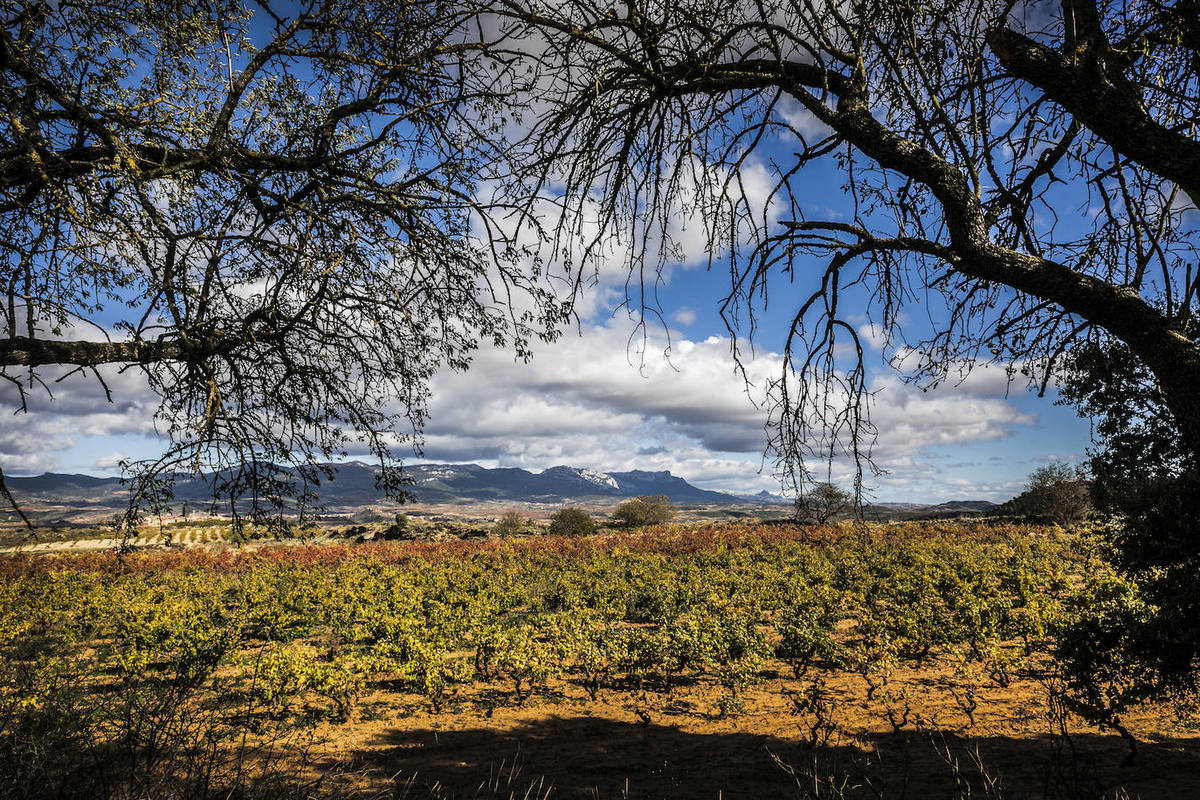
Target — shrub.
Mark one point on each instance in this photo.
(397, 530)
(648, 509)
(510, 523)
(822, 503)
(572, 522)
(1057, 492)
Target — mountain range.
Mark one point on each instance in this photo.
(353, 486)
(354, 483)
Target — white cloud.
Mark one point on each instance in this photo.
(803, 122)
(28, 445)
(110, 462)
(872, 336)
(587, 252)
(604, 399)
(909, 419)
(684, 316)
(33, 440)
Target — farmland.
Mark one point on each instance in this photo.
(738, 660)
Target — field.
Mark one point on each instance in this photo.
(732, 661)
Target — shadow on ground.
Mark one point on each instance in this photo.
(585, 757)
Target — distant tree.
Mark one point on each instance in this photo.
(398, 529)
(647, 509)
(821, 503)
(510, 523)
(1058, 492)
(572, 522)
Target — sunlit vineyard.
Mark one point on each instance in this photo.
(250, 647)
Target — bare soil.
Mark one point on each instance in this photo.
(676, 744)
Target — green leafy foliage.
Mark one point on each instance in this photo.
(306, 633)
(1140, 639)
(821, 503)
(511, 523)
(572, 522)
(1057, 492)
(585, 608)
(647, 509)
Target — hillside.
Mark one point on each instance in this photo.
(56, 496)
(354, 484)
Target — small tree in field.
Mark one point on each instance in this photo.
(510, 523)
(648, 509)
(1057, 491)
(397, 530)
(572, 522)
(822, 503)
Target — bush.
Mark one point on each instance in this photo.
(648, 509)
(398, 529)
(821, 503)
(572, 522)
(1057, 492)
(511, 523)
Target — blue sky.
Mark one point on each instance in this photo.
(597, 399)
(587, 401)
(593, 400)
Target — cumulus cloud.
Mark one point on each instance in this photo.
(586, 252)
(684, 316)
(53, 421)
(873, 336)
(606, 401)
(802, 121)
(597, 388)
(111, 461)
(28, 445)
(613, 398)
(909, 419)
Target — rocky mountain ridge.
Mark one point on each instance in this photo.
(354, 482)
(353, 486)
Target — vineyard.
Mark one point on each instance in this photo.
(283, 669)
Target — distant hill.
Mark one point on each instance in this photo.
(353, 485)
(920, 511)
(964, 505)
(767, 498)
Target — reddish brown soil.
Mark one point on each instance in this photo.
(676, 745)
